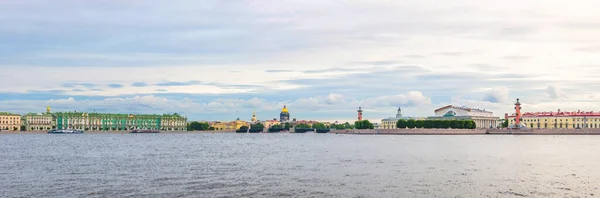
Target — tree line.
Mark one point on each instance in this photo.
(435, 124)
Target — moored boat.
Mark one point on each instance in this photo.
(65, 131)
(145, 131)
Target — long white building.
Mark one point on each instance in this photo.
(483, 119)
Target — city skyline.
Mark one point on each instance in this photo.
(220, 60)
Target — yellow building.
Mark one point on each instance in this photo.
(10, 121)
(228, 126)
(558, 120)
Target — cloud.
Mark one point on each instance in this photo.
(591, 49)
(139, 84)
(115, 85)
(554, 92)
(497, 95)
(278, 70)
(173, 83)
(516, 58)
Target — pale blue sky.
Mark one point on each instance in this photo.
(219, 60)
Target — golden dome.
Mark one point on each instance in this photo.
(284, 110)
(253, 117)
(48, 109)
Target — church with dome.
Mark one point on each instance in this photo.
(284, 116)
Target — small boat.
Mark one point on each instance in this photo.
(65, 131)
(145, 131)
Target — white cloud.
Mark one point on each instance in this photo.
(497, 95)
(554, 92)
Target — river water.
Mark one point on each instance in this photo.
(297, 165)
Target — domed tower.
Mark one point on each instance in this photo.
(253, 117)
(284, 116)
(399, 114)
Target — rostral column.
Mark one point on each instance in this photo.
(518, 113)
(359, 114)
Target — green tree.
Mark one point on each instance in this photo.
(258, 126)
(275, 126)
(319, 125)
(287, 126)
(410, 123)
(23, 128)
(302, 126)
(420, 124)
(505, 124)
(244, 128)
(401, 124)
(348, 126)
(358, 124)
(364, 124)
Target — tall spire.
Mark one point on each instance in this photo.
(399, 114)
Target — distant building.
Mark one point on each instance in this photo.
(390, 123)
(482, 118)
(10, 121)
(113, 122)
(228, 126)
(38, 121)
(558, 119)
(284, 116)
(253, 119)
(269, 123)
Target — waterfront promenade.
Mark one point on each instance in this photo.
(389, 132)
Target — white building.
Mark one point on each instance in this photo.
(483, 119)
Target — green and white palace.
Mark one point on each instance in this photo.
(119, 122)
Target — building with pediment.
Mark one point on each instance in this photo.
(483, 119)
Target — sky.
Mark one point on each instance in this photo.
(224, 59)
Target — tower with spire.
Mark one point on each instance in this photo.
(253, 117)
(399, 114)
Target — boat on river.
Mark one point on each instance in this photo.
(145, 131)
(65, 131)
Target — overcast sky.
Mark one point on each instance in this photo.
(223, 59)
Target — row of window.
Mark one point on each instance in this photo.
(566, 126)
(9, 122)
(9, 118)
(576, 120)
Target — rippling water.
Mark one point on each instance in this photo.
(297, 165)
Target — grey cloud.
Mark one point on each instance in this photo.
(592, 49)
(497, 95)
(114, 85)
(414, 56)
(516, 58)
(452, 53)
(139, 84)
(554, 92)
(279, 70)
(383, 62)
(73, 85)
(173, 83)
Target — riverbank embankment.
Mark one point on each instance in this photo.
(470, 132)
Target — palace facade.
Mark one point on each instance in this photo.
(483, 119)
(10, 121)
(38, 121)
(113, 122)
(228, 126)
(558, 120)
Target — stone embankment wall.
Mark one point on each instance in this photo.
(469, 131)
(413, 131)
(547, 131)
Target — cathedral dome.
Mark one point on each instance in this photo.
(284, 110)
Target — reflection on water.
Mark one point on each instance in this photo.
(297, 165)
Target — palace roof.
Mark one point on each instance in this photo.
(558, 114)
(463, 108)
(9, 114)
